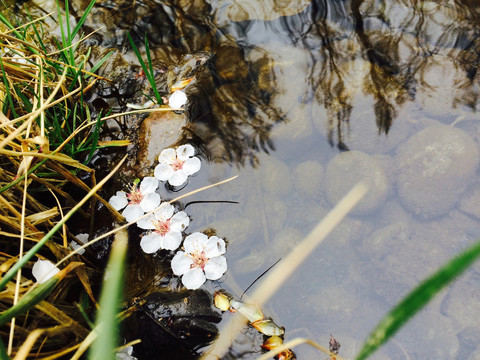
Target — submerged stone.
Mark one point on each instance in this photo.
(435, 167)
(346, 170)
(158, 131)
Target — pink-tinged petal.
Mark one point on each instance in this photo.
(185, 151)
(119, 201)
(43, 270)
(163, 172)
(150, 201)
(181, 263)
(195, 242)
(147, 223)
(191, 166)
(151, 243)
(177, 99)
(215, 268)
(178, 178)
(171, 240)
(148, 185)
(165, 212)
(214, 247)
(133, 212)
(193, 278)
(179, 221)
(167, 156)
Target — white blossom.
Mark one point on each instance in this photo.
(201, 260)
(167, 229)
(140, 200)
(175, 166)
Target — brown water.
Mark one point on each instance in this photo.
(289, 88)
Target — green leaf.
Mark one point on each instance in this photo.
(3, 351)
(82, 19)
(148, 74)
(110, 299)
(417, 299)
(30, 300)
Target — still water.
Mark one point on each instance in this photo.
(301, 99)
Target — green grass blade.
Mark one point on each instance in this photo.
(110, 300)
(149, 76)
(417, 299)
(100, 63)
(152, 75)
(30, 300)
(3, 351)
(94, 139)
(9, 99)
(76, 29)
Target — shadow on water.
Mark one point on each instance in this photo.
(286, 87)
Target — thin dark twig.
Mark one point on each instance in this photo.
(258, 278)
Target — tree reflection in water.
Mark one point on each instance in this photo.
(391, 51)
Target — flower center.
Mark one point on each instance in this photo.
(199, 260)
(162, 227)
(135, 196)
(177, 164)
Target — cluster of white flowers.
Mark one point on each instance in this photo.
(201, 257)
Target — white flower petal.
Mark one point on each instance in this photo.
(133, 212)
(150, 201)
(76, 245)
(171, 240)
(214, 246)
(177, 99)
(147, 223)
(151, 243)
(119, 201)
(83, 237)
(125, 354)
(179, 221)
(194, 242)
(167, 156)
(193, 278)
(163, 172)
(149, 184)
(165, 212)
(185, 151)
(43, 270)
(181, 263)
(191, 166)
(215, 267)
(178, 178)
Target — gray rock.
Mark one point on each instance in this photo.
(435, 167)
(309, 177)
(158, 131)
(275, 176)
(347, 169)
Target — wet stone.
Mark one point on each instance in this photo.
(275, 177)
(436, 165)
(158, 131)
(470, 204)
(430, 335)
(347, 169)
(309, 179)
